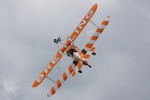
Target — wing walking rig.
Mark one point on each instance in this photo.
(79, 57)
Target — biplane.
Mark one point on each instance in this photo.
(79, 56)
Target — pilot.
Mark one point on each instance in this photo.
(71, 50)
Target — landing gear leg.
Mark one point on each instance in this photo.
(86, 63)
(90, 66)
(80, 71)
(75, 62)
(94, 53)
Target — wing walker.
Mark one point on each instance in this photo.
(79, 56)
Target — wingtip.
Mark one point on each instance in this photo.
(35, 84)
(96, 4)
(109, 16)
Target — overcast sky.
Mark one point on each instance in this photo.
(121, 68)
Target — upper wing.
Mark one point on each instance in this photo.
(47, 69)
(82, 24)
(96, 35)
(71, 72)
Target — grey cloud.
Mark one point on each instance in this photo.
(120, 69)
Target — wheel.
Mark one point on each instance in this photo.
(79, 71)
(93, 53)
(90, 66)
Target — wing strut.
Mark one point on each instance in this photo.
(96, 35)
(94, 24)
(70, 72)
(50, 79)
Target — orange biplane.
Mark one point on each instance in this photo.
(79, 57)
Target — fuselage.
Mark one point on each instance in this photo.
(75, 53)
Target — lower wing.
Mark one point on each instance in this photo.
(96, 35)
(70, 72)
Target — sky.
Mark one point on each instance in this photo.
(120, 68)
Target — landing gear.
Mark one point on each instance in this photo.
(90, 66)
(94, 53)
(86, 63)
(80, 71)
(75, 63)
